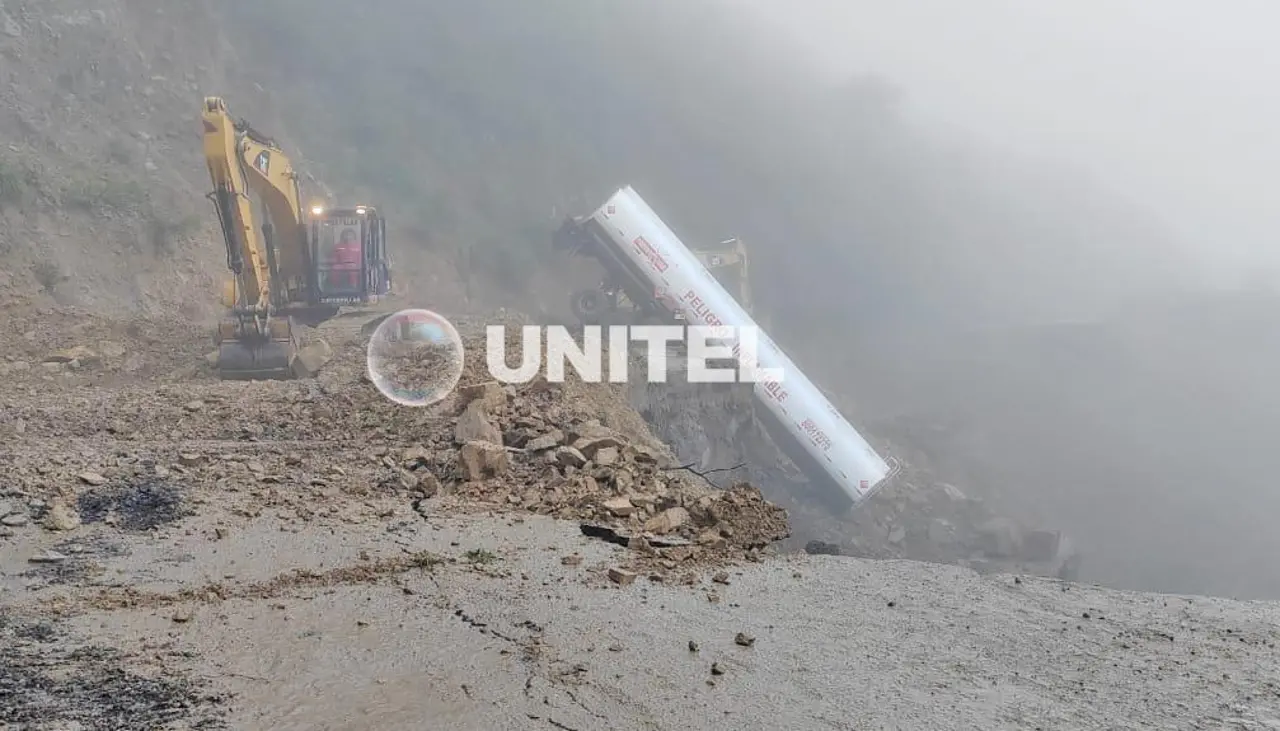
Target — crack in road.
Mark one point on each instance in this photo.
(532, 656)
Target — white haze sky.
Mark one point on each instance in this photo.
(1175, 104)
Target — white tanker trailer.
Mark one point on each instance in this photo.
(646, 260)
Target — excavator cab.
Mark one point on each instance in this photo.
(348, 248)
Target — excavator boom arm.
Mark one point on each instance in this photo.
(252, 343)
(271, 175)
(246, 255)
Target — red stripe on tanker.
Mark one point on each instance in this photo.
(651, 254)
(815, 424)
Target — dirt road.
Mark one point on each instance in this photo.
(182, 553)
(478, 623)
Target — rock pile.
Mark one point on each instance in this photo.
(512, 447)
(330, 449)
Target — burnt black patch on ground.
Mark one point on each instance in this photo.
(36, 631)
(49, 680)
(140, 505)
(72, 571)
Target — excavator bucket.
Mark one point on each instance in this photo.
(255, 362)
(244, 356)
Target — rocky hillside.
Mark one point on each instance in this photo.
(101, 180)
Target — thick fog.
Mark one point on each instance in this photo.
(1146, 432)
(1168, 103)
(966, 220)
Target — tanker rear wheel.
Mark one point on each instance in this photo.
(590, 306)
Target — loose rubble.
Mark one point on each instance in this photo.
(576, 451)
(311, 450)
(522, 447)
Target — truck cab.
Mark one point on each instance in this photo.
(625, 295)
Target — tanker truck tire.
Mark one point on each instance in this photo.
(589, 306)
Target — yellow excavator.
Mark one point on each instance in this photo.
(285, 266)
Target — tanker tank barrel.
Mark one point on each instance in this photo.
(649, 249)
